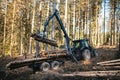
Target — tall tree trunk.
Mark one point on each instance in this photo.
(11, 40)
(97, 27)
(99, 40)
(80, 31)
(74, 21)
(90, 28)
(33, 22)
(27, 29)
(48, 9)
(118, 29)
(4, 37)
(85, 23)
(21, 40)
(53, 21)
(112, 38)
(38, 29)
(79, 24)
(65, 18)
(117, 25)
(104, 36)
(98, 30)
(114, 23)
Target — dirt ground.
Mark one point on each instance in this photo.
(25, 73)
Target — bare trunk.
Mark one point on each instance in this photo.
(38, 29)
(4, 37)
(53, 23)
(114, 26)
(11, 42)
(65, 18)
(74, 21)
(33, 19)
(48, 9)
(104, 39)
(96, 33)
(21, 44)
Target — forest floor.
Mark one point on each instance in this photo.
(25, 73)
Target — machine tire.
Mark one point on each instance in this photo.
(86, 54)
(55, 65)
(45, 66)
(96, 53)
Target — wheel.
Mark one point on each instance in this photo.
(55, 65)
(95, 53)
(45, 66)
(86, 54)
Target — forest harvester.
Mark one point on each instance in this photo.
(80, 50)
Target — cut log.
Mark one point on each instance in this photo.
(115, 73)
(44, 40)
(54, 51)
(21, 63)
(111, 64)
(111, 61)
(106, 68)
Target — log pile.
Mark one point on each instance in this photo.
(115, 73)
(44, 40)
(54, 52)
(51, 55)
(102, 69)
(27, 62)
(22, 63)
(108, 65)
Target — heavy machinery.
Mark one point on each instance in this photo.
(79, 50)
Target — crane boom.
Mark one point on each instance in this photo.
(56, 14)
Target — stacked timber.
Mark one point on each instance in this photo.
(111, 73)
(28, 62)
(109, 65)
(54, 52)
(39, 38)
(103, 69)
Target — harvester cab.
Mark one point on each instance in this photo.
(81, 49)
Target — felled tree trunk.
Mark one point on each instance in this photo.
(44, 40)
(94, 74)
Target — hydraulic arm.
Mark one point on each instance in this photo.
(56, 14)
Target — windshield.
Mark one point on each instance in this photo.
(84, 43)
